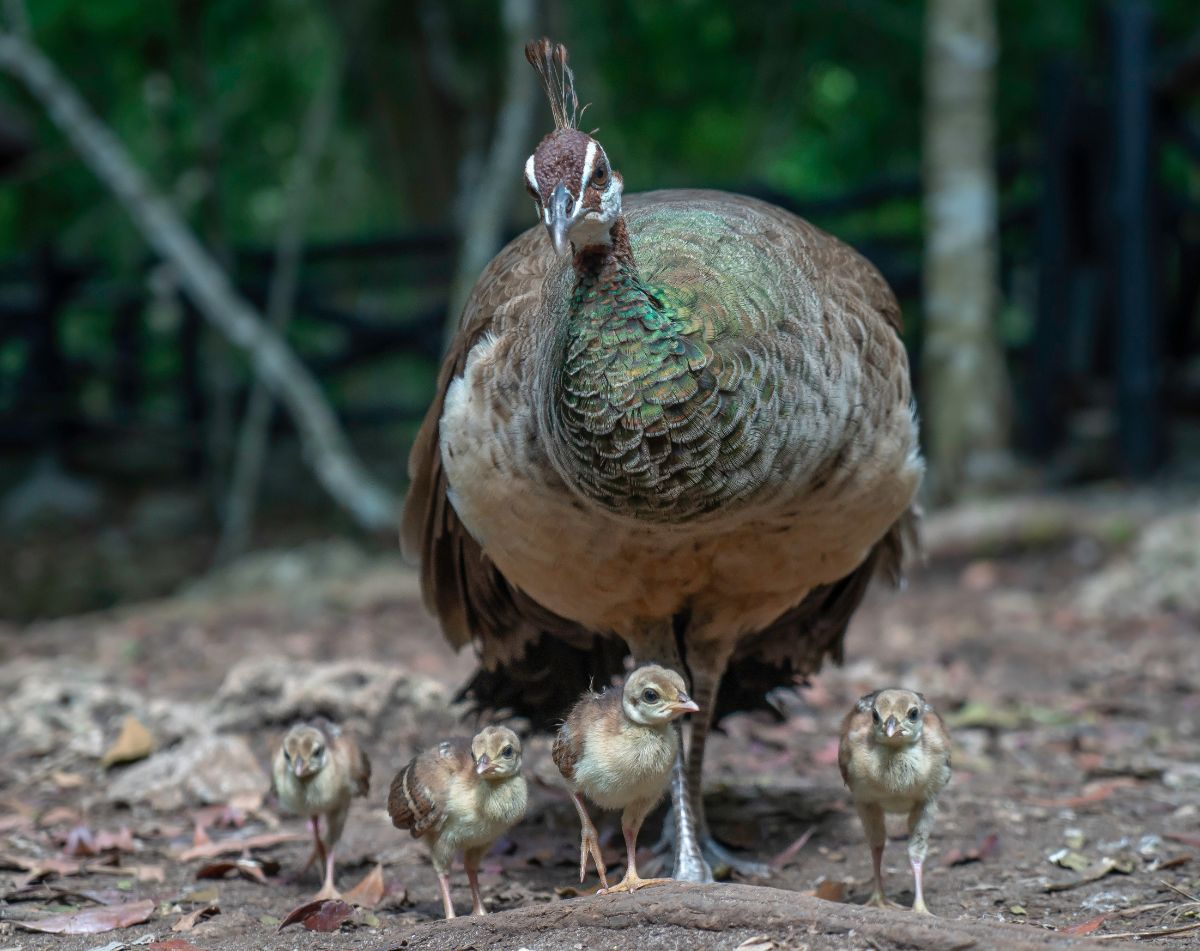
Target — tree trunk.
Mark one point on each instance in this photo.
(965, 388)
(327, 450)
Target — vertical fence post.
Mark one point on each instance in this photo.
(1044, 403)
(1135, 273)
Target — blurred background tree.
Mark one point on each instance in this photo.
(818, 105)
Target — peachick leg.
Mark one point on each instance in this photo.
(876, 831)
(589, 843)
(471, 862)
(631, 824)
(328, 889)
(447, 904)
(920, 823)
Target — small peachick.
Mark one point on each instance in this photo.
(318, 769)
(461, 795)
(894, 755)
(617, 749)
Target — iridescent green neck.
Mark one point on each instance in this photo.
(626, 394)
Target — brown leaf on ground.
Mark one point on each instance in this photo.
(1193, 840)
(67, 780)
(1087, 927)
(254, 870)
(1092, 793)
(985, 848)
(92, 920)
(59, 815)
(369, 892)
(783, 858)
(323, 915)
(225, 846)
(1094, 873)
(192, 918)
(82, 842)
(831, 890)
(133, 743)
(39, 867)
(174, 944)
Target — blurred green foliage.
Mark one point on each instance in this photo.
(809, 98)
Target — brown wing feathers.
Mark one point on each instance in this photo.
(417, 798)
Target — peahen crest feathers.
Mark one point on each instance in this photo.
(550, 60)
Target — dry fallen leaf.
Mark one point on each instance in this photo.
(174, 944)
(1087, 927)
(831, 890)
(134, 743)
(368, 892)
(985, 848)
(757, 943)
(67, 780)
(1092, 793)
(225, 846)
(322, 915)
(254, 870)
(1094, 873)
(39, 867)
(92, 920)
(192, 918)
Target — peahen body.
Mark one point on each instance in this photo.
(692, 433)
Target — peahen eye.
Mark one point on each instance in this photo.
(600, 177)
(650, 695)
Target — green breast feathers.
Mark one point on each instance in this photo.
(664, 395)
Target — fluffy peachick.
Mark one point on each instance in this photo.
(617, 748)
(894, 755)
(318, 769)
(461, 796)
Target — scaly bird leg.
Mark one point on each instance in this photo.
(631, 823)
(707, 671)
(471, 863)
(875, 829)
(328, 889)
(589, 843)
(447, 904)
(920, 823)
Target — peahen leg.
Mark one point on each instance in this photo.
(706, 679)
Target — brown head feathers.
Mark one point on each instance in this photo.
(558, 80)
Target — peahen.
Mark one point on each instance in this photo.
(682, 426)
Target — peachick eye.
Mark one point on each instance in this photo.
(650, 696)
(875, 716)
(507, 751)
(912, 714)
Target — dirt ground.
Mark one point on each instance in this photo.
(1061, 641)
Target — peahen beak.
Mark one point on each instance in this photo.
(560, 218)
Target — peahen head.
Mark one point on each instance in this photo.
(569, 176)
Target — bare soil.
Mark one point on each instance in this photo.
(1067, 667)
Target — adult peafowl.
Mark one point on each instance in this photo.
(681, 427)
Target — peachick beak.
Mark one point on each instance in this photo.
(298, 767)
(685, 704)
(891, 727)
(560, 220)
(483, 765)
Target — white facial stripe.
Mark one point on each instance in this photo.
(531, 175)
(589, 160)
